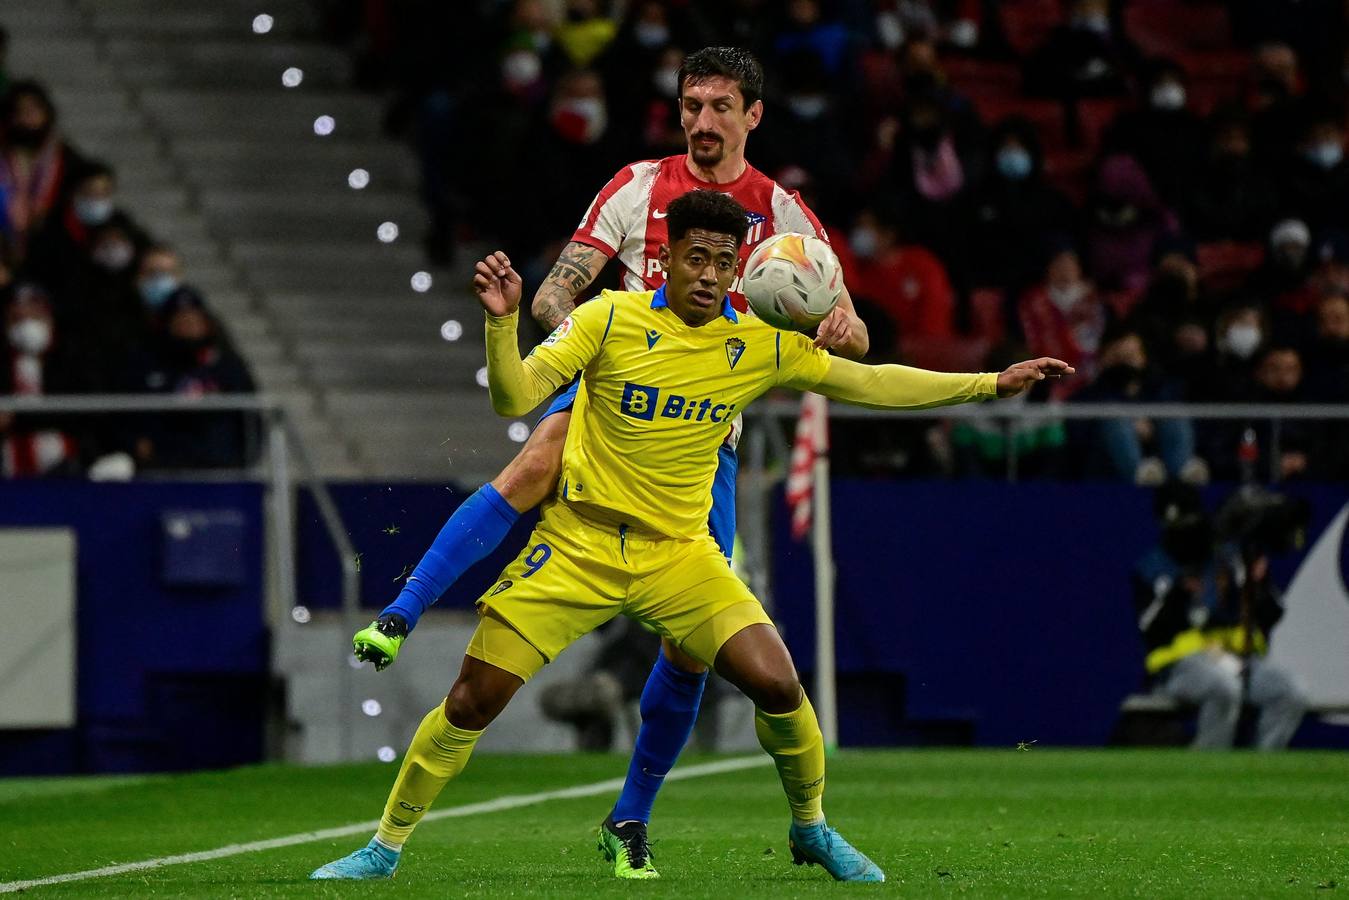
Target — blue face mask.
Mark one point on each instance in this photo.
(1014, 163)
(156, 289)
(93, 210)
(1326, 154)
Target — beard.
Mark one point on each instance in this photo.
(707, 157)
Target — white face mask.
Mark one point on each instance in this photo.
(807, 106)
(889, 29)
(1066, 297)
(31, 335)
(521, 69)
(666, 82)
(592, 111)
(651, 34)
(1242, 340)
(114, 256)
(1169, 96)
(864, 241)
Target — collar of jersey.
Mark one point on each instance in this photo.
(658, 301)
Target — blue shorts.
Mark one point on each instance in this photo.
(721, 520)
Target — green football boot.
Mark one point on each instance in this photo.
(627, 849)
(379, 641)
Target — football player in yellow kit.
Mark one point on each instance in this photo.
(662, 372)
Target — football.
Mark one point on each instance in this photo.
(792, 281)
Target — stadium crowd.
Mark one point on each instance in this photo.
(1153, 190)
(93, 304)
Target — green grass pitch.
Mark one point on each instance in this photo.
(1004, 823)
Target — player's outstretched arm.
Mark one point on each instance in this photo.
(576, 267)
(518, 385)
(903, 387)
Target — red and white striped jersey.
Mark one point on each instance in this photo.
(627, 218)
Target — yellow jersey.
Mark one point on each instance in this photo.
(657, 398)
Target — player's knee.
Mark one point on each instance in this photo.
(467, 707)
(529, 478)
(777, 693)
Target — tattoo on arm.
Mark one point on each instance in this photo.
(574, 270)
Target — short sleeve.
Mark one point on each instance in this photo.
(801, 365)
(790, 214)
(617, 209)
(577, 339)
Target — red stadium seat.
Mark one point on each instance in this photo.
(1225, 265)
(953, 354)
(987, 314)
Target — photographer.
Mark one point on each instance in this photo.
(1206, 610)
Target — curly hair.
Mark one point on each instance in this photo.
(708, 210)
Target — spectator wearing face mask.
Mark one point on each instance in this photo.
(97, 307)
(35, 162)
(1085, 56)
(806, 127)
(33, 363)
(933, 173)
(56, 252)
(1284, 279)
(1303, 451)
(906, 283)
(1126, 221)
(1173, 317)
(1230, 198)
(640, 67)
(1063, 317)
(1013, 211)
(1162, 133)
(192, 357)
(1241, 330)
(569, 152)
(1144, 451)
(1314, 183)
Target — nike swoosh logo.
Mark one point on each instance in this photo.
(657, 214)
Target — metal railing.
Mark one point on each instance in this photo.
(283, 444)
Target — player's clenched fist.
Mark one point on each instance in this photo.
(1023, 375)
(497, 284)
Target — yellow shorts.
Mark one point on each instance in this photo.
(575, 574)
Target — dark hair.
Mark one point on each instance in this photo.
(734, 63)
(33, 89)
(95, 168)
(708, 210)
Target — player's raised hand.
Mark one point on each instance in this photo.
(836, 329)
(497, 284)
(1024, 375)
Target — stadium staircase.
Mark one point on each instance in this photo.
(217, 157)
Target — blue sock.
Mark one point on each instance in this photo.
(477, 527)
(669, 708)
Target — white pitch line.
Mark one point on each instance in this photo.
(510, 801)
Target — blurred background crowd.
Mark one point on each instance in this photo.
(94, 304)
(1154, 191)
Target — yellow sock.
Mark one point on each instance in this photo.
(795, 742)
(438, 752)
